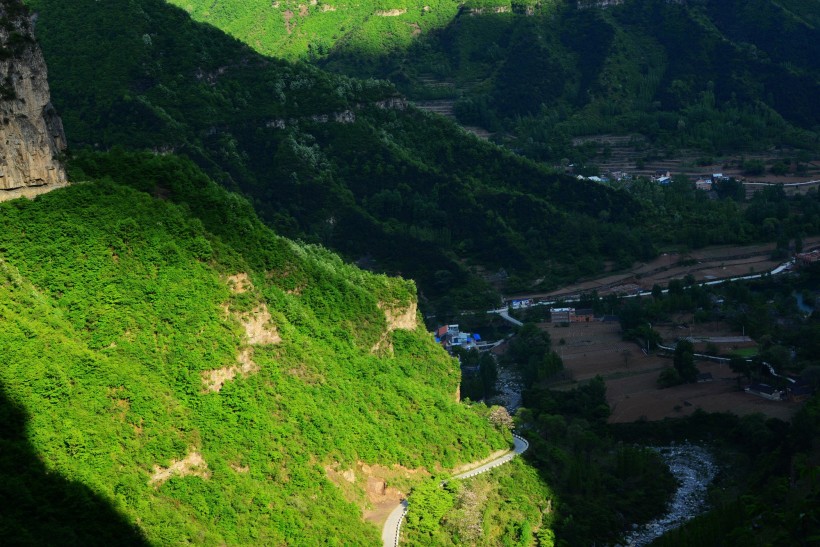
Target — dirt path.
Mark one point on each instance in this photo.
(29, 192)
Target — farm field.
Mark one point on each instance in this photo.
(703, 265)
(590, 349)
(630, 153)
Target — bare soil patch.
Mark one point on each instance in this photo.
(631, 376)
(373, 487)
(192, 464)
(215, 379)
(401, 318)
(390, 12)
(257, 323)
(29, 192)
(258, 326)
(258, 331)
(239, 283)
(397, 319)
(638, 397)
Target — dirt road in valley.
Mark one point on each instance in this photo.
(703, 265)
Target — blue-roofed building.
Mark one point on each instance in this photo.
(450, 336)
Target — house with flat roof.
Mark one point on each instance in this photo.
(450, 336)
(583, 316)
(766, 391)
(562, 315)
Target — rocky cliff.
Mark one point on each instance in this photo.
(31, 133)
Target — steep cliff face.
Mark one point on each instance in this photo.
(31, 132)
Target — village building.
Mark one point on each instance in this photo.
(807, 259)
(583, 316)
(620, 175)
(662, 177)
(562, 315)
(704, 183)
(450, 336)
(518, 304)
(766, 391)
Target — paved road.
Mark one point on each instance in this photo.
(521, 446)
(390, 532)
(505, 314)
(392, 527)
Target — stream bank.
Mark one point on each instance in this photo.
(695, 468)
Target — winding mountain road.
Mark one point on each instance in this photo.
(392, 527)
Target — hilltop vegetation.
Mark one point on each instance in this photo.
(185, 367)
(712, 75)
(347, 164)
(311, 29)
(328, 159)
(715, 76)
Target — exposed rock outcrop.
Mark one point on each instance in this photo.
(31, 132)
(259, 330)
(192, 464)
(405, 318)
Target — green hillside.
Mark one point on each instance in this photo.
(712, 75)
(176, 373)
(328, 159)
(348, 164)
(312, 29)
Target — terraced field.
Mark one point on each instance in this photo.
(632, 154)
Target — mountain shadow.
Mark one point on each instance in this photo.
(39, 507)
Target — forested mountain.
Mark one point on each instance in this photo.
(203, 377)
(175, 371)
(712, 75)
(325, 158)
(349, 164)
(715, 75)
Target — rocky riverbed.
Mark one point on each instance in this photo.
(695, 468)
(509, 390)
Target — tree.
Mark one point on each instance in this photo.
(430, 503)
(488, 372)
(684, 361)
(675, 287)
(753, 167)
(531, 351)
(669, 377)
(798, 244)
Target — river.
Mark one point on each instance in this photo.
(509, 389)
(695, 468)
